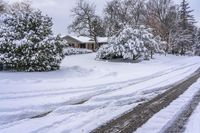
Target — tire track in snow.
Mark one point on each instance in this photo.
(55, 125)
(99, 91)
(123, 86)
(47, 127)
(178, 126)
(28, 94)
(142, 113)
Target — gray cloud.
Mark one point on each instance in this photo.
(59, 10)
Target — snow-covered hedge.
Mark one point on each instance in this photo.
(27, 42)
(74, 51)
(131, 43)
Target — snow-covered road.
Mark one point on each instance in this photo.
(167, 117)
(85, 93)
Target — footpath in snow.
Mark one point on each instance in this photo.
(81, 96)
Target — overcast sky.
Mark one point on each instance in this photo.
(60, 11)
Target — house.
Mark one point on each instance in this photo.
(85, 42)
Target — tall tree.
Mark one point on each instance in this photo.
(186, 18)
(161, 16)
(114, 17)
(136, 11)
(119, 13)
(184, 31)
(86, 22)
(2, 6)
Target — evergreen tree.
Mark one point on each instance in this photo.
(197, 42)
(27, 42)
(186, 18)
(2, 6)
(183, 35)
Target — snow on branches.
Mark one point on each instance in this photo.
(197, 42)
(76, 51)
(131, 43)
(27, 42)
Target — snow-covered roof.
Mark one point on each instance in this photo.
(85, 39)
(102, 39)
(82, 39)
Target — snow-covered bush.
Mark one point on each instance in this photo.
(27, 42)
(74, 51)
(181, 41)
(159, 45)
(197, 42)
(107, 51)
(130, 43)
(197, 50)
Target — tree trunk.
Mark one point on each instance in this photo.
(96, 43)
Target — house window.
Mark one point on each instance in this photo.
(82, 45)
(72, 45)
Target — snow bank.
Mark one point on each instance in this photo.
(163, 119)
(193, 123)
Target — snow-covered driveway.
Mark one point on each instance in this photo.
(85, 93)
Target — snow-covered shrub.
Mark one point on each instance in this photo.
(27, 42)
(197, 42)
(159, 45)
(181, 41)
(130, 43)
(197, 49)
(74, 51)
(107, 51)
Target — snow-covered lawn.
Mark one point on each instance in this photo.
(85, 93)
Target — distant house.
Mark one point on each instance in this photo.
(85, 42)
